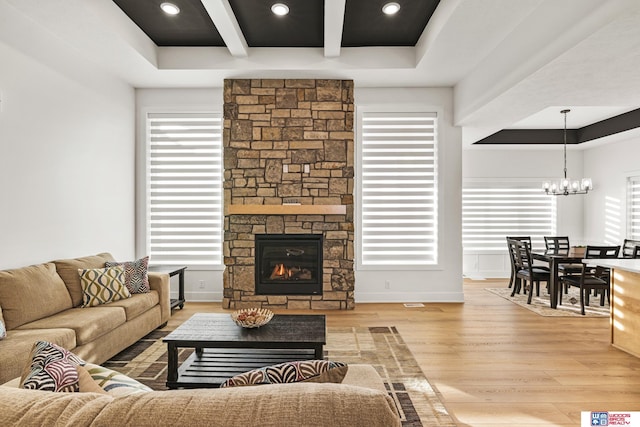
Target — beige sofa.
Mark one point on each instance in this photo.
(42, 302)
(360, 400)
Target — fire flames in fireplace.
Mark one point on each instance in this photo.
(288, 264)
(282, 272)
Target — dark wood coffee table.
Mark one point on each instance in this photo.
(224, 349)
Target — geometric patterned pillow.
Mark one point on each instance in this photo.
(115, 383)
(51, 368)
(136, 277)
(291, 372)
(102, 285)
(3, 327)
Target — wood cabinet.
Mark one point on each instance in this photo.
(625, 311)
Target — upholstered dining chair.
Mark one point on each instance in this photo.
(525, 270)
(592, 278)
(560, 243)
(512, 256)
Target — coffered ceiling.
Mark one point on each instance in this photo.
(511, 64)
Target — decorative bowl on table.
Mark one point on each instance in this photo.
(252, 317)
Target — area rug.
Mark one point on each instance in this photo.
(418, 403)
(570, 303)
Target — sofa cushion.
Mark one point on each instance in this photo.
(31, 293)
(291, 372)
(115, 383)
(68, 270)
(15, 348)
(309, 405)
(136, 274)
(51, 368)
(137, 304)
(102, 285)
(89, 324)
(21, 407)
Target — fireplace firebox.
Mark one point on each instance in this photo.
(288, 264)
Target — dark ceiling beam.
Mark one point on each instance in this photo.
(529, 137)
(611, 126)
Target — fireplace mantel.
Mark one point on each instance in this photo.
(286, 210)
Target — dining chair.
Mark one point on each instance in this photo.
(592, 278)
(512, 256)
(630, 248)
(525, 270)
(555, 243)
(558, 243)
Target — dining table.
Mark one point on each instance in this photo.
(554, 258)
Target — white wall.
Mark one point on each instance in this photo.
(158, 100)
(605, 209)
(66, 155)
(444, 282)
(536, 164)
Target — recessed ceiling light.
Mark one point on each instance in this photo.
(280, 9)
(391, 8)
(170, 8)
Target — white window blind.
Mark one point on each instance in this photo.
(493, 210)
(399, 189)
(185, 189)
(633, 208)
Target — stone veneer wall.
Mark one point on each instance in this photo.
(276, 122)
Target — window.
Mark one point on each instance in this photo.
(184, 194)
(633, 208)
(398, 189)
(493, 210)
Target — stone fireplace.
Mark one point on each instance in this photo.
(288, 172)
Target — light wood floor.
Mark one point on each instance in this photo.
(497, 364)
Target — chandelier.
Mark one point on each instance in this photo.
(567, 186)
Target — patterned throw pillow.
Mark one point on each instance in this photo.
(51, 368)
(102, 285)
(3, 328)
(115, 383)
(291, 372)
(86, 384)
(136, 277)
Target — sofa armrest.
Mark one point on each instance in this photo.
(160, 283)
(364, 376)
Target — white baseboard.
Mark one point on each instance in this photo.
(401, 297)
(360, 297)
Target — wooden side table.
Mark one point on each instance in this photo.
(173, 270)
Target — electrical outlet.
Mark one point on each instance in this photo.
(387, 285)
(201, 284)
